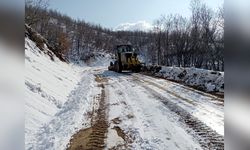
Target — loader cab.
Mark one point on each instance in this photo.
(124, 49)
(124, 53)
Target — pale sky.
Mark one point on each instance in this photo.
(111, 13)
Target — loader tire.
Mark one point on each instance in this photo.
(137, 69)
(120, 68)
(117, 67)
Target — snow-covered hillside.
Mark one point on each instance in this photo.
(47, 86)
(137, 26)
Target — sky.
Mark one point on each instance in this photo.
(111, 13)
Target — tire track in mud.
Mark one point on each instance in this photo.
(93, 138)
(207, 137)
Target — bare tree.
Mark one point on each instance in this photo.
(32, 8)
(158, 28)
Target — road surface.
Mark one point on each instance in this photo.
(135, 111)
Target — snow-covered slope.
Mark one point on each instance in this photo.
(137, 26)
(47, 86)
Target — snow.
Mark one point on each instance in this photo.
(137, 26)
(70, 118)
(113, 139)
(201, 105)
(210, 81)
(101, 59)
(152, 125)
(47, 87)
(58, 97)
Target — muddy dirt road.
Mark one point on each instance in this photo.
(134, 111)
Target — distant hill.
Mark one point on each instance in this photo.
(137, 26)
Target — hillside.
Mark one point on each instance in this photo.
(48, 83)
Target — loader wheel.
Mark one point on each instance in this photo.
(111, 66)
(138, 69)
(118, 67)
(115, 66)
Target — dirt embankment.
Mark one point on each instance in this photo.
(93, 138)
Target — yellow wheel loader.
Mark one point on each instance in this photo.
(125, 59)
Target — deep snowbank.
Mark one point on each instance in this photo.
(206, 80)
